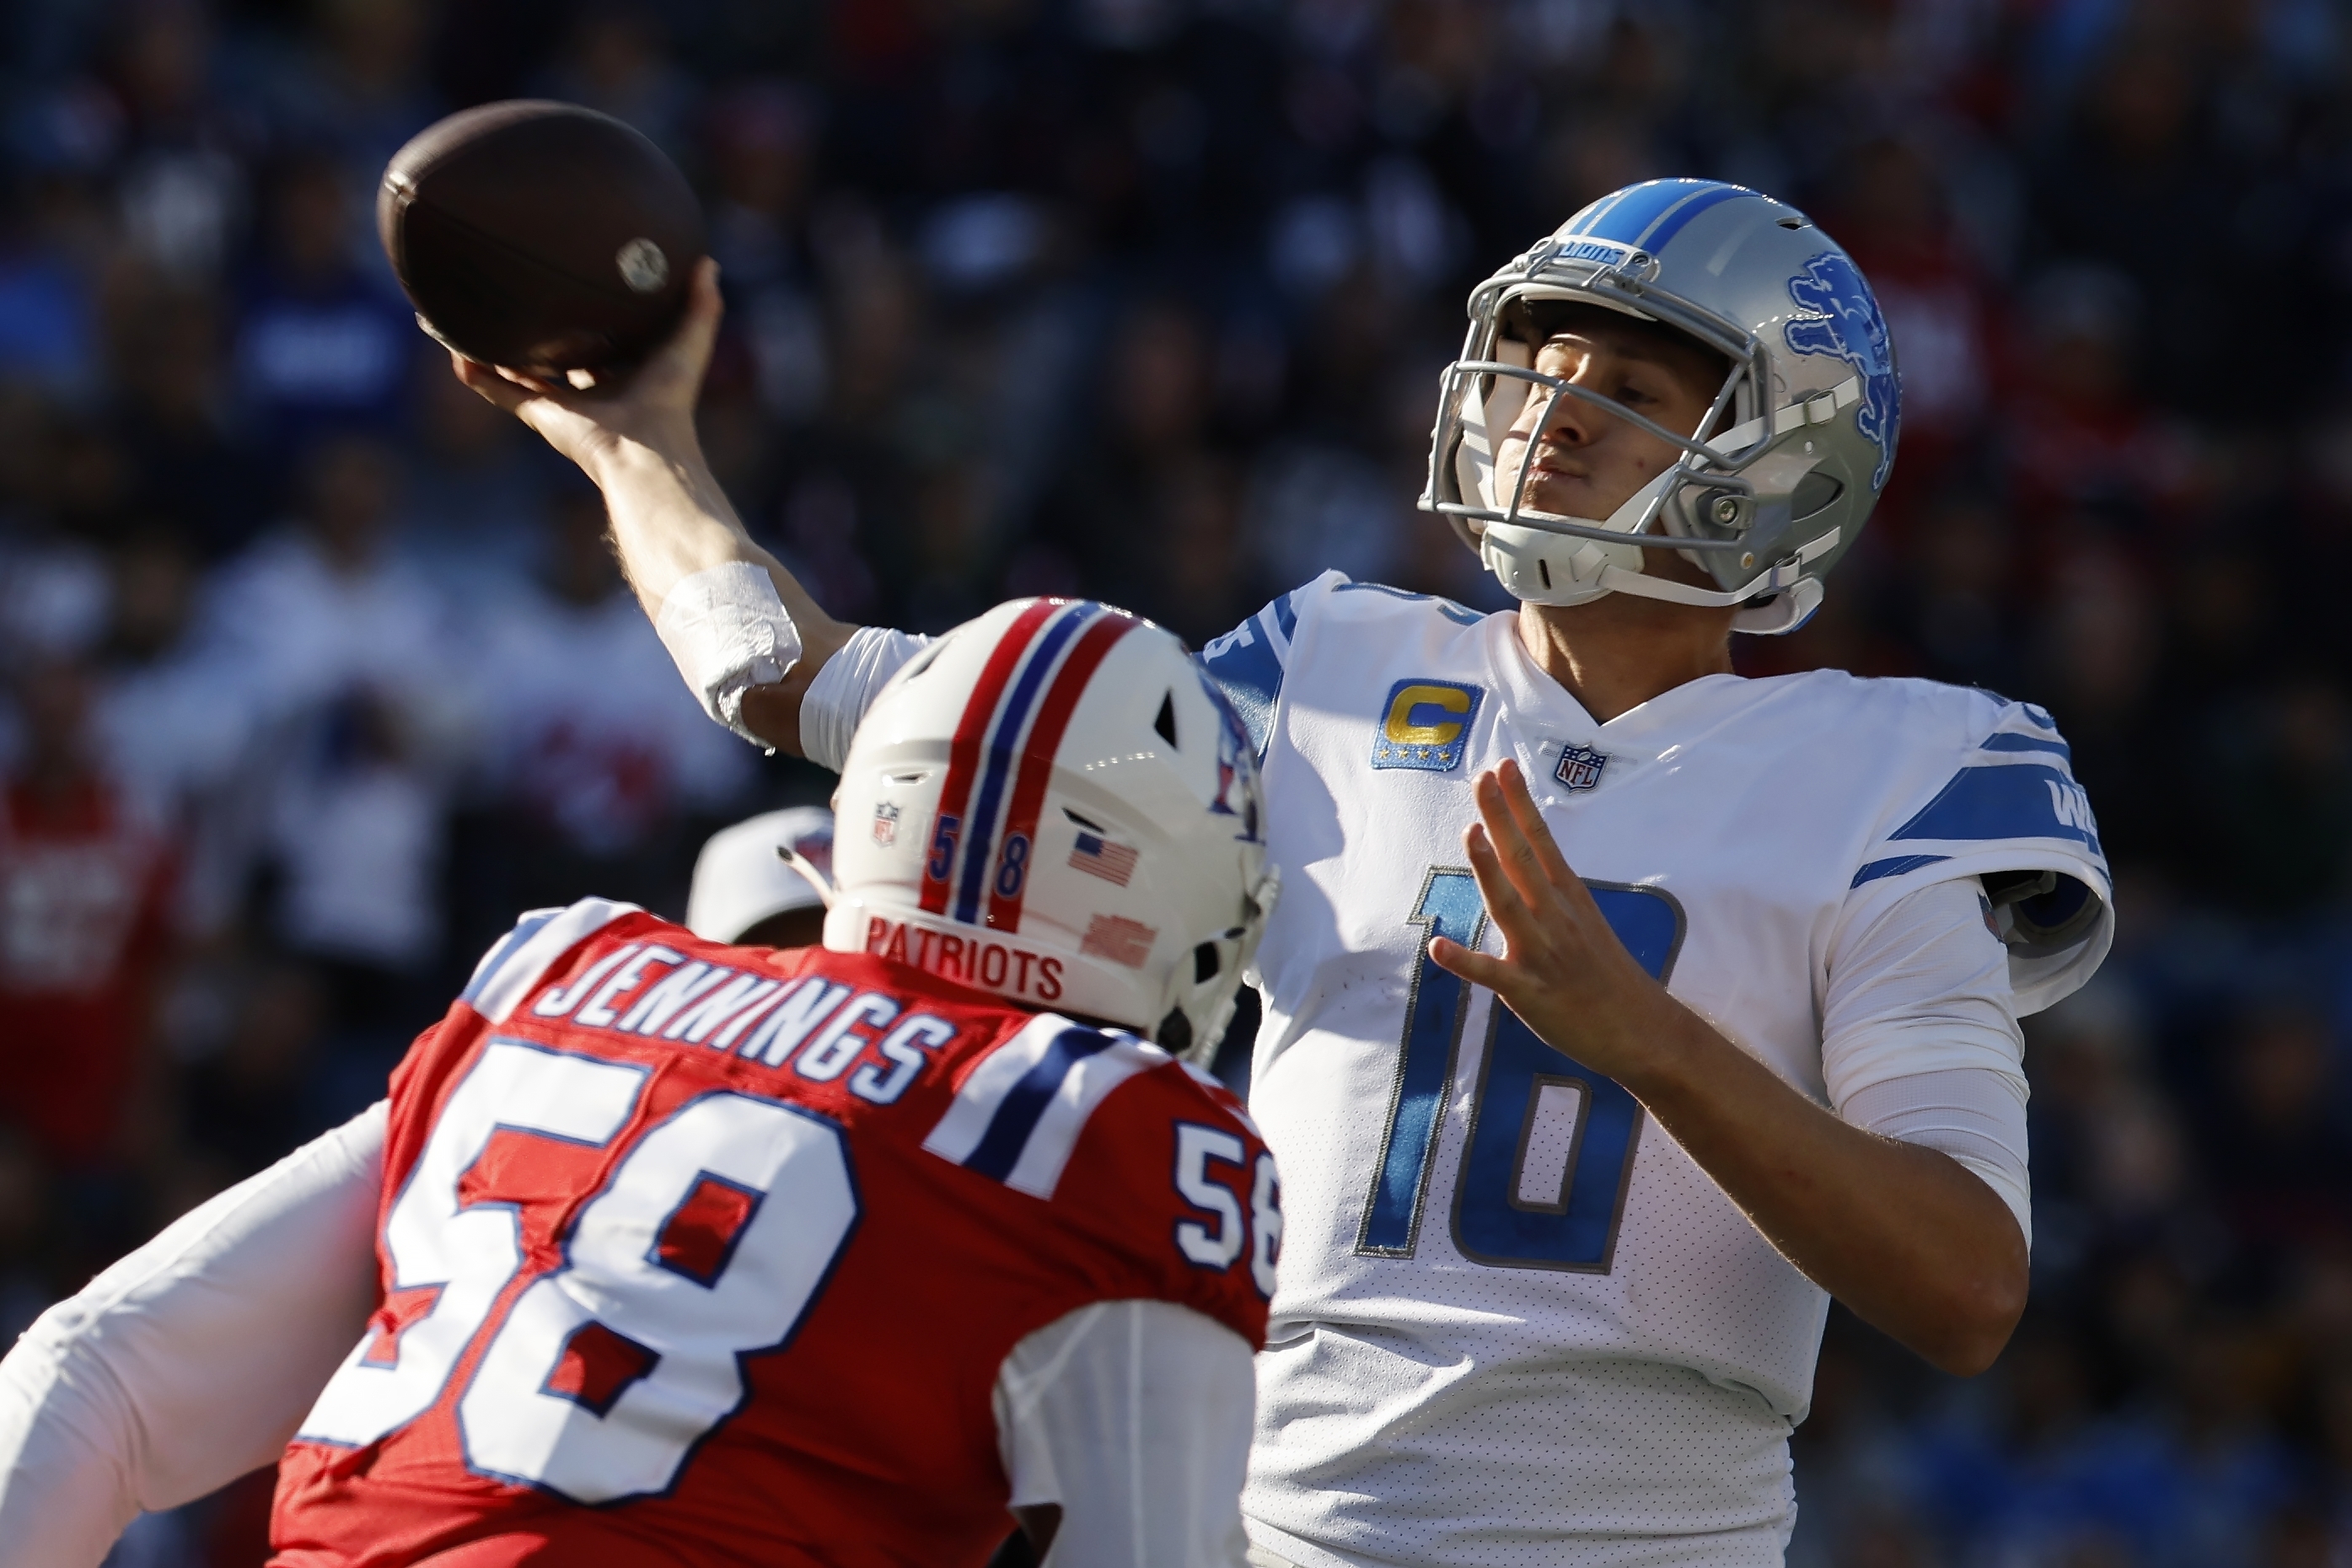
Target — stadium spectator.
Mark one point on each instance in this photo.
(85, 931)
(321, 343)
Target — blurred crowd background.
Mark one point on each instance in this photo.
(317, 671)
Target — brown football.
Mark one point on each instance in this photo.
(541, 236)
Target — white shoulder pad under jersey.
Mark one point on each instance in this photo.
(1509, 1309)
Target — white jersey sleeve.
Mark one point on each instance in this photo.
(846, 686)
(1134, 1417)
(1920, 1040)
(2010, 816)
(192, 1361)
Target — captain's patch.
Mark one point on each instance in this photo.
(1425, 724)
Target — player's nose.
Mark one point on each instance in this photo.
(1562, 419)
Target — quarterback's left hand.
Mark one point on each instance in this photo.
(1565, 972)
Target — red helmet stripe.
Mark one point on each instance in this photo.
(964, 754)
(1037, 761)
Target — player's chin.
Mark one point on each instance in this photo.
(1568, 495)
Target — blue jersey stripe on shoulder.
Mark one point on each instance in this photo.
(1246, 663)
(1285, 612)
(2016, 800)
(492, 961)
(1894, 867)
(2009, 741)
(1000, 1148)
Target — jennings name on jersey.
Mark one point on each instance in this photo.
(1509, 1313)
(714, 1253)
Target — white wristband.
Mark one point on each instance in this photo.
(727, 632)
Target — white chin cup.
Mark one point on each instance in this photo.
(1539, 567)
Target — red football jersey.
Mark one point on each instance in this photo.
(706, 1254)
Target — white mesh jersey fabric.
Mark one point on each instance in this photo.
(1531, 1333)
(846, 686)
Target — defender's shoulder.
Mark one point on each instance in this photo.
(519, 961)
(1150, 1161)
(1023, 1099)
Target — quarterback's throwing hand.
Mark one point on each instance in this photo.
(1564, 971)
(654, 404)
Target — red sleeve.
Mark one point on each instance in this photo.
(1171, 1173)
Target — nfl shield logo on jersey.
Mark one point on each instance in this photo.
(1579, 767)
(1425, 725)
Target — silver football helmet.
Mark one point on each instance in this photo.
(1777, 479)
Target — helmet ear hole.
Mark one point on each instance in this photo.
(1205, 964)
(1175, 1032)
(1814, 493)
(1166, 723)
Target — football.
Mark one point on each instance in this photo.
(540, 235)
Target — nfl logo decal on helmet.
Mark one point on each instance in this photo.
(1773, 486)
(1579, 767)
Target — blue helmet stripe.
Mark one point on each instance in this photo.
(1661, 233)
(1653, 212)
(1595, 211)
(980, 833)
(1636, 208)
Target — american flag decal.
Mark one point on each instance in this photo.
(1121, 939)
(1097, 856)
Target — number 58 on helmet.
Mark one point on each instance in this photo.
(1052, 802)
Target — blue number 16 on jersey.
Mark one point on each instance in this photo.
(1551, 1147)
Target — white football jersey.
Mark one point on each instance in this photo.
(1516, 1323)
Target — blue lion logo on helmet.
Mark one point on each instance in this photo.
(1844, 321)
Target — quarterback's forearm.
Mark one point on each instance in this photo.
(671, 520)
(1912, 1241)
(747, 656)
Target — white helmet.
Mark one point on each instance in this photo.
(1052, 802)
(763, 866)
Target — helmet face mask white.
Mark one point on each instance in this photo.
(1053, 803)
(1795, 449)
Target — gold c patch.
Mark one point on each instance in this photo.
(1425, 724)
